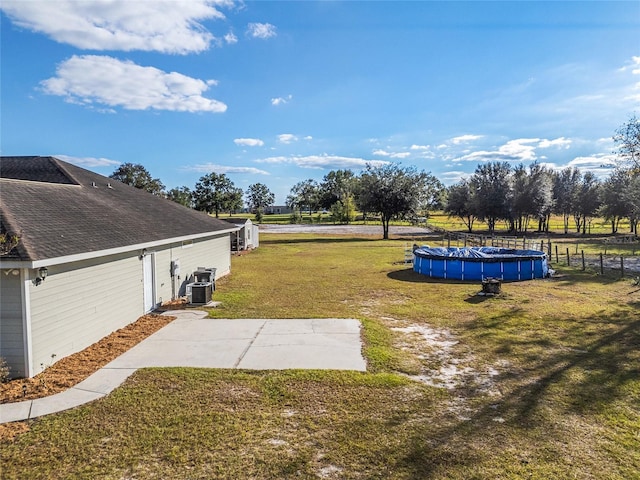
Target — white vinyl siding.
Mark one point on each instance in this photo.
(11, 327)
(80, 303)
(211, 252)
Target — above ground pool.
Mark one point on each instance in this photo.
(479, 263)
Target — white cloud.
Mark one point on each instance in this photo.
(420, 147)
(281, 100)
(249, 142)
(102, 80)
(323, 161)
(465, 139)
(520, 150)
(261, 30)
(161, 25)
(600, 164)
(560, 142)
(308, 138)
(287, 138)
(451, 177)
(230, 38)
(384, 153)
(633, 65)
(90, 162)
(212, 167)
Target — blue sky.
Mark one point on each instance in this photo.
(278, 92)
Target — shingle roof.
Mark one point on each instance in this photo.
(59, 209)
(237, 220)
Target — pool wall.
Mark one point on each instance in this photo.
(479, 263)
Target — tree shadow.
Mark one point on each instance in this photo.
(582, 380)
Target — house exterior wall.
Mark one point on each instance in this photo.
(81, 302)
(210, 252)
(255, 236)
(11, 325)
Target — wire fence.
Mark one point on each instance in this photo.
(561, 253)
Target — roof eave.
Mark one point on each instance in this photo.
(47, 262)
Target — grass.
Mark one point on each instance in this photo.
(547, 383)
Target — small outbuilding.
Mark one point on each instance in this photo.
(93, 255)
(247, 236)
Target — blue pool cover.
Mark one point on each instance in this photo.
(479, 263)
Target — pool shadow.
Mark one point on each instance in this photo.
(408, 275)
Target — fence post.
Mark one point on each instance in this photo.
(601, 264)
(576, 247)
(568, 258)
(557, 259)
(621, 266)
(584, 267)
(549, 247)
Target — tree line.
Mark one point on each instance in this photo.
(495, 192)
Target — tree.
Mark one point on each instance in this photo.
(336, 193)
(181, 195)
(491, 193)
(234, 201)
(259, 197)
(587, 201)
(627, 140)
(632, 195)
(615, 206)
(565, 189)
(392, 191)
(433, 194)
(215, 193)
(459, 203)
(138, 176)
(304, 195)
(336, 186)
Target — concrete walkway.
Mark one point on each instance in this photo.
(195, 341)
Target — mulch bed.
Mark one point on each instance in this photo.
(71, 370)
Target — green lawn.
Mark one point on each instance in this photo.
(543, 382)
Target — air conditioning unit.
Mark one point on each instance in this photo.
(204, 274)
(199, 293)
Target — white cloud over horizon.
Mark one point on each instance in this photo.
(162, 25)
(517, 150)
(92, 79)
(212, 167)
(465, 139)
(287, 138)
(89, 162)
(384, 153)
(323, 161)
(249, 142)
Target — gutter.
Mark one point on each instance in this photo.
(47, 262)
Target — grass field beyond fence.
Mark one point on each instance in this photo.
(540, 382)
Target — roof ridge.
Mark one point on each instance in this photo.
(57, 162)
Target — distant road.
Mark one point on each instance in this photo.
(403, 231)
